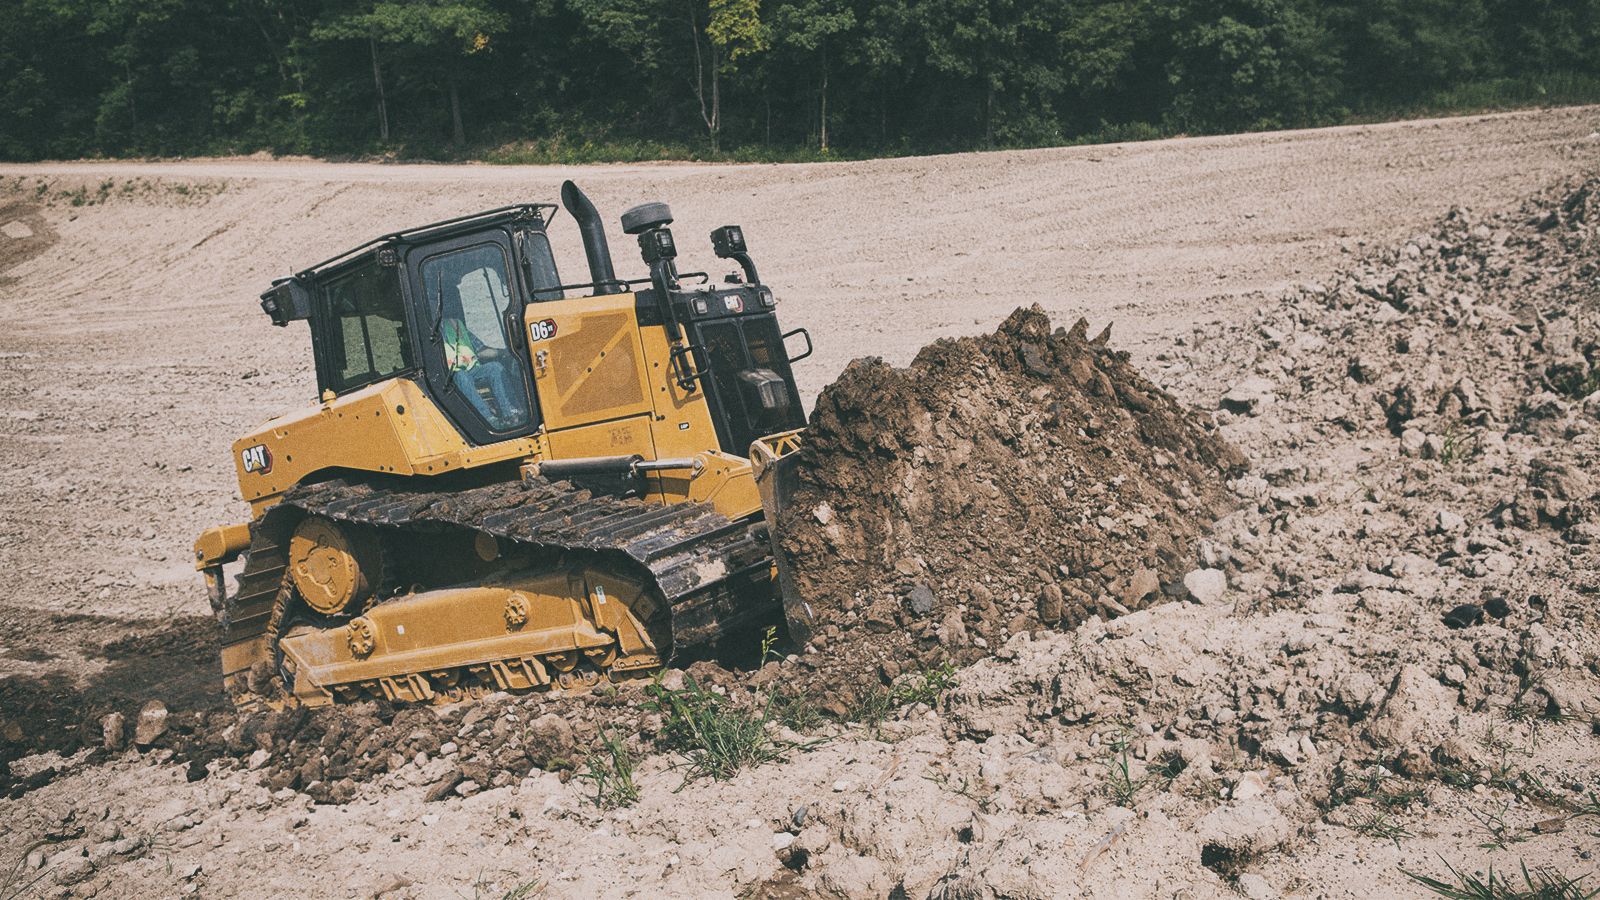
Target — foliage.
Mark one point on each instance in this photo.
(924, 687)
(611, 772)
(1540, 884)
(640, 79)
(716, 737)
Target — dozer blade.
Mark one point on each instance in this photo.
(776, 460)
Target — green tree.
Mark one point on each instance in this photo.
(732, 30)
(1249, 64)
(811, 26)
(441, 35)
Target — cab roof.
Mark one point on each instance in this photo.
(535, 213)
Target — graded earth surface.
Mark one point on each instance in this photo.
(1382, 659)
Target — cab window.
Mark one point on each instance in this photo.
(367, 327)
(543, 281)
(467, 295)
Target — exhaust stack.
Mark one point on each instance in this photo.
(594, 239)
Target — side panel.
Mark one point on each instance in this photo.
(618, 437)
(683, 423)
(588, 364)
(391, 427)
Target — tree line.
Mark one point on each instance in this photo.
(706, 77)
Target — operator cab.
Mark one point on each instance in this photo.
(442, 303)
(446, 305)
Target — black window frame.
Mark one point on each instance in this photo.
(327, 331)
(436, 373)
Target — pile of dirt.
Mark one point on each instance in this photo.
(1022, 480)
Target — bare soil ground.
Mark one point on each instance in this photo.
(1317, 725)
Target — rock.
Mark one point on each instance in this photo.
(258, 759)
(823, 513)
(1447, 522)
(1412, 440)
(468, 788)
(1250, 396)
(1051, 604)
(814, 838)
(920, 600)
(430, 819)
(72, 869)
(152, 723)
(550, 736)
(1243, 829)
(1415, 711)
(1360, 580)
(1249, 786)
(1284, 750)
(1206, 585)
(444, 786)
(113, 731)
(1142, 584)
(1255, 887)
(782, 841)
(1365, 369)
(1464, 616)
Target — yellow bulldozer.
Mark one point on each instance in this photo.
(510, 483)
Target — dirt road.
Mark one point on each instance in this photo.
(133, 351)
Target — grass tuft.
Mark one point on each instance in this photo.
(1540, 884)
(611, 772)
(715, 736)
(1381, 824)
(927, 686)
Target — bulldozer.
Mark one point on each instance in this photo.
(510, 483)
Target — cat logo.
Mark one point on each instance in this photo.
(257, 460)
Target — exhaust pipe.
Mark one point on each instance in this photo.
(594, 239)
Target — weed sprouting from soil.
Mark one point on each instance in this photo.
(611, 771)
(1120, 785)
(16, 882)
(522, 890)
(1539, 884)
(1501, 833)
(715, 736)
(1461, 443)
(927, 687)
(1382, 824)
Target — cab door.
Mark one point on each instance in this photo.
(467, 300)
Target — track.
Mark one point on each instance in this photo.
(714, 573)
